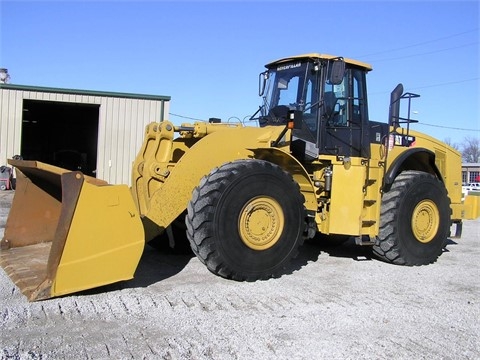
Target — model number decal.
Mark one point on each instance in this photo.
(289, 66)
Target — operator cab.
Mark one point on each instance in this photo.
(330, 95)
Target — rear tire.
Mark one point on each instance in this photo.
(246, 220)
(414, 220)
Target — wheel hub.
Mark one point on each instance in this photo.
(261, 223)
(425, 221)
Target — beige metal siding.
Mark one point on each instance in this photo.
(121, 130)
(121, 127)
(10, 124)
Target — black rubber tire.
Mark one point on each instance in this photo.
(397, 242)
(215, 214)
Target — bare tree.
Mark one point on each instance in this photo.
(449, 142)
(471, 150)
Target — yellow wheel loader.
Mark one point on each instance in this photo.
(246, 197)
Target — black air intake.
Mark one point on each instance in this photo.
(394, 113)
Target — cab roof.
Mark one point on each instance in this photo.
(313, 56)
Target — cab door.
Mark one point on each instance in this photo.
(345, 117)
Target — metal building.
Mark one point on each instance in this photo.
(470, 173)
(96, 132)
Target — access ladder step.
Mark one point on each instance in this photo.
(364, 240)
(368, 223)
(369, 202)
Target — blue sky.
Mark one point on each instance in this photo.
(207, 55)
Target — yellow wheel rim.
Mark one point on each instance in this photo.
(261, 223)
(425, 221)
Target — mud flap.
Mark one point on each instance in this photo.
(68, 232)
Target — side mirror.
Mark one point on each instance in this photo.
(262, 81)
(337, 70)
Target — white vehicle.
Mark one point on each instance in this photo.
(471, 187)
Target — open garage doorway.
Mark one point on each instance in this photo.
(61, 133)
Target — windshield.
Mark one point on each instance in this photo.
(285, 87)
(291, 86)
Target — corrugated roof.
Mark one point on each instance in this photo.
(84, 92)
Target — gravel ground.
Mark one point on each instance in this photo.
(333, 303)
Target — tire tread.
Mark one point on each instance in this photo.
(387, 246)
(200, 216)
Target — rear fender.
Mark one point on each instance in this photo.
(413, 159)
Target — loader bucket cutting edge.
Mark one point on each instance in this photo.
(68, 232)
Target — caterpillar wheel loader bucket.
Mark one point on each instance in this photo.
(68, 232)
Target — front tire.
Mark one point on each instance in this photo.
(414, 220)
(246, 220)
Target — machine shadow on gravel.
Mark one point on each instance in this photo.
(345, 249)
(312, 249)
(154, 266)
(157, 265)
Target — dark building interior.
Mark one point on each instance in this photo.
(61, 133)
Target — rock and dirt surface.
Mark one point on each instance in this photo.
(333, 303)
